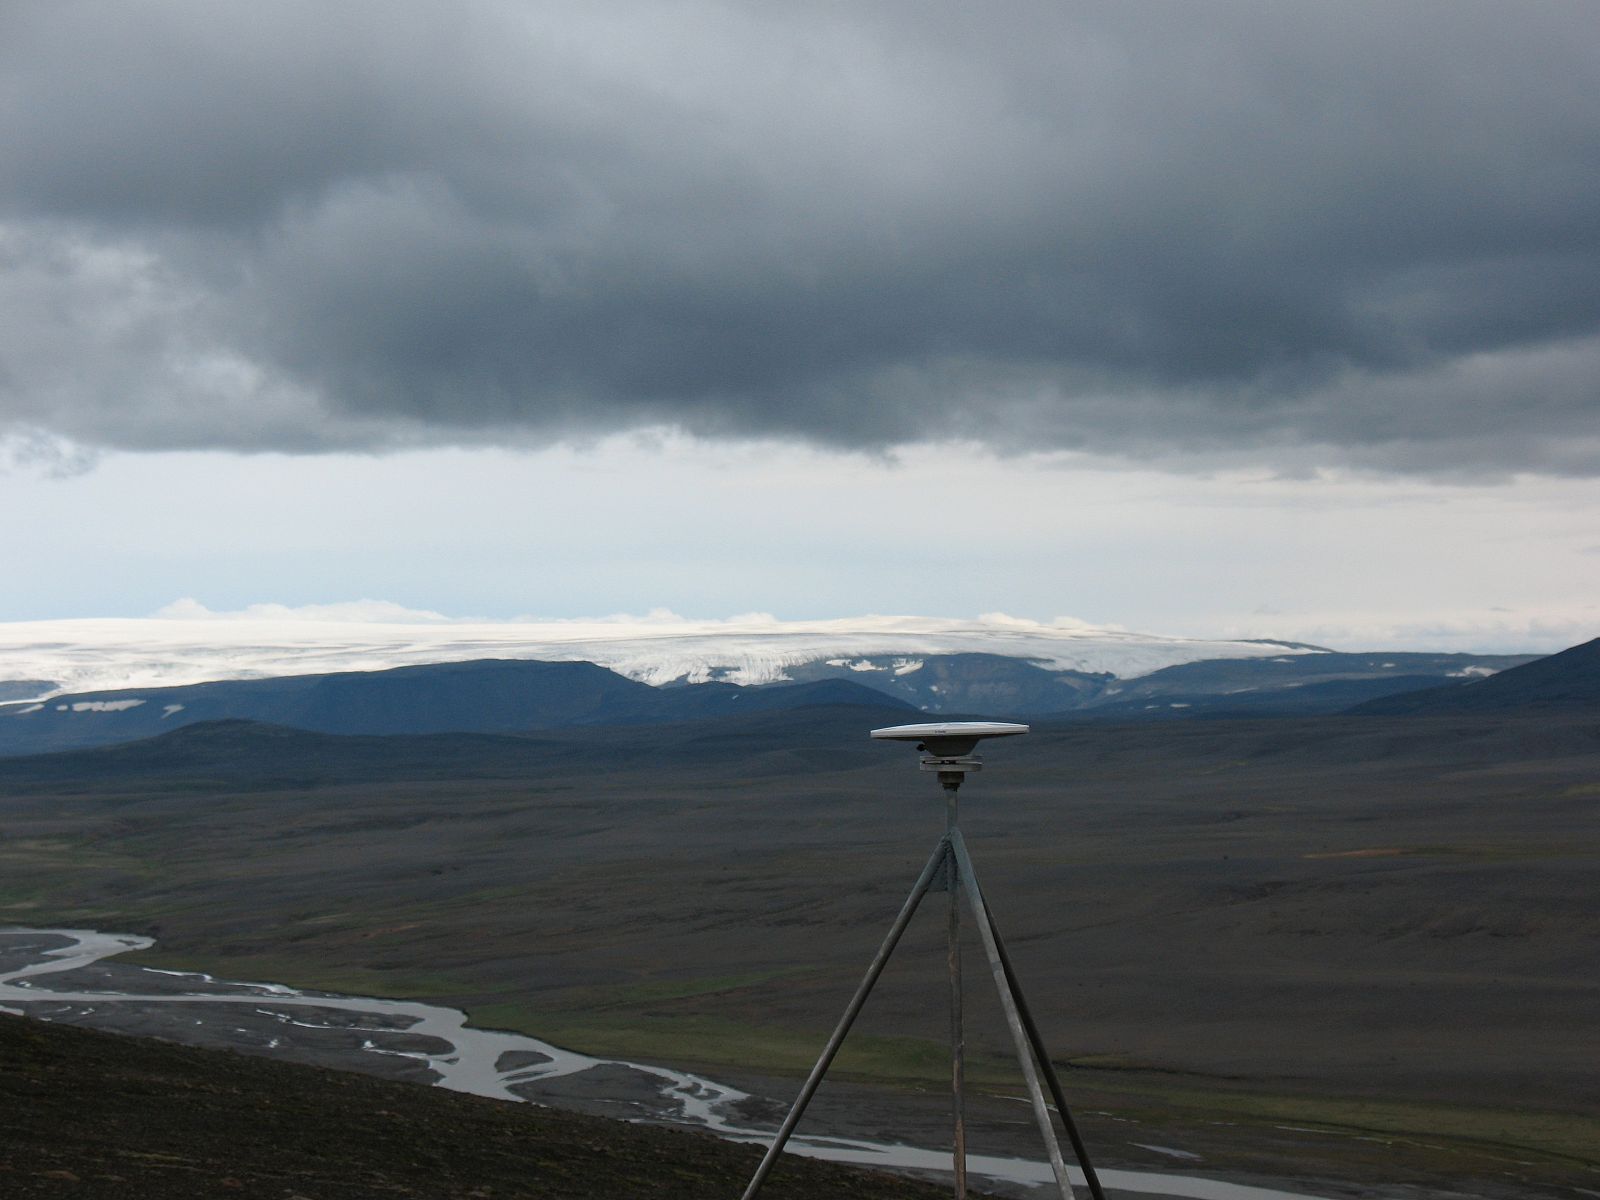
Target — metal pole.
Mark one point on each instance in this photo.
(1030, 1076)
(1043, 1056)
(940, 853)
(957, 1031)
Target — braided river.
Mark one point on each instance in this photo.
(64, 975)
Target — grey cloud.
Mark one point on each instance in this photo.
(1322, 233)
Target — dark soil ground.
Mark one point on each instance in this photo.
(94, 1115)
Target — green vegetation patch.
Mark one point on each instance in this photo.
(656, 991)
(702, 1041)
(298, 973)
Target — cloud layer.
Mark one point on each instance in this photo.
(1359, 233)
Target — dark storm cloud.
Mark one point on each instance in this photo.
(1308, 233)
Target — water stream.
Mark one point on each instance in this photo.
(497, 1064)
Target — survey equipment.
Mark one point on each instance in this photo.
(948, 751)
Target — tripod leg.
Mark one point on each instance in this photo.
(1043, 1057)
(1019, 1037)
(958, 1037)
(957, 1040)
(850, 1013)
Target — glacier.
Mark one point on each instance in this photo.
(104, 654)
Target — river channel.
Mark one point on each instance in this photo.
(63, 975)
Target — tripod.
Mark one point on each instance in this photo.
(949, 869)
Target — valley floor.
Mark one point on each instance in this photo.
(1359, 950)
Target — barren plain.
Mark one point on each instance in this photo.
(1357, 949)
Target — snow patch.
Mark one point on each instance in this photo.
(1473, 673)
(32, 708)
(904, 666)
(1169, 1151)
(169, 709)
(103, 706)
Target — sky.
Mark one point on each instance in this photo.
(1224, 319)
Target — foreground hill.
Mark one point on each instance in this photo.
(1568, 681)
(99, 1115)
(248, 755)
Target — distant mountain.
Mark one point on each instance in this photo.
(1285, 685)
(120, 680)
(758, 740)
(25, 689)
(516, 695)
(1298, 684)
(979, 683)
(1564, 681)
(492, 696)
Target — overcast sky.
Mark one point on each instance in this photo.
(1226, 317)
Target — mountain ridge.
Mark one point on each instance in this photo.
(488, 696)
(523, 695)
(1568, 679)
(234, 750)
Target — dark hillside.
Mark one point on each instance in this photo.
(1323, 682)
(1298, 700)
(486, 696)
(90, 1114)
(24, 689)
(243, 755)
(1569, 680)
(948, 683)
